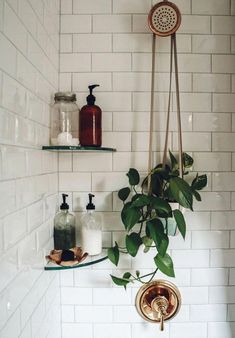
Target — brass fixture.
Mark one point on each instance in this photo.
(158, 301)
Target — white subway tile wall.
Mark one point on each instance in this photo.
(29, 67)
(108, 42)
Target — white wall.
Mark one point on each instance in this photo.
(108, 42)
(29, 40)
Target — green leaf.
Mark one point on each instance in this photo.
(174, 162)
(134, 177)
(126, 275)
(187, 160)
(196, 195)
(113, 254)
(180, 221)
(124, 193)
(165, 264)
(137, 273)
(147, 243)
(161, 205)
(199, 182)
(120, 281)
(130, 216)
(157, 233)
(181, 192)
(155, 228)
(133, 242)
(141, 201)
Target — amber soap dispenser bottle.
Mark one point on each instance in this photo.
(90, 122)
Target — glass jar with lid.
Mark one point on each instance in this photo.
(64, 120)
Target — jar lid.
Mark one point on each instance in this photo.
(65, 96)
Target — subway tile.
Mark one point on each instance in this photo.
(75, 24)
(212, 122)
(194, 295)
(35, 215)
(194, 63)
(112, 23)
(89, 7)
(232, 239)
(222, 258)
(111, 62)
(223, 142)
(93, 279)
(213, 201)
(66, 6)
(211, 276)
(27, 16)
(223, 181)
(65, 81)
(122, 161)
(14, 29)
(140, 141)
(8, 56)
(193, 141)
(183, 330)
(195, 24)
(195, 102)
(65, 162)
(92, 43)
(215, 161)
(141, 101)
(197, 220)
(211, 44)
(74, 181)
(222, 25)
(76, 296)
(7, 198)
(12, 327)
(67, 313)
(132, 6)
(231, 276)
(66, 43)
(114, 101)
(210, 239)
(9, 156)
(111, 296)
(108, 182)
(81, 81)
(221, 295)
(132, 42)
(105, 330)
(94, 314)
(215, 330)
(211, 7)
(223, 220)
(77, 62)
(118, 140)
(143, 329)
(92, 162)
(223, 64)
(223, 102)
(70, 330)
(191, 258)
(231, 312)
(216, 83)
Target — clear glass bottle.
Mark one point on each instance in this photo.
(91, 230)
(65, 120)
(64, 228)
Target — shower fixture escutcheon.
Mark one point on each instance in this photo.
(158, 301)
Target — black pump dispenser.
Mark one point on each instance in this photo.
(64, 205)
(90, 205)
(91, 98)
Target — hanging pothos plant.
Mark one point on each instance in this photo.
(145, 215)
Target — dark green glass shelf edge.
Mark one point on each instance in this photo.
(58, 267)
(77, 148)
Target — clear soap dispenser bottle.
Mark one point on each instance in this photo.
(91, 230)
(64, 228)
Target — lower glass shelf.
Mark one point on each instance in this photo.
(53, 266)
(77, 148)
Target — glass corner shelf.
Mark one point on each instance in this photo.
(77, 148)
(54, 266)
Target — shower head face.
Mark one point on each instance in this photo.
(164, 18)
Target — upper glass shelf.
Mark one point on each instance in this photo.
(54, 266)
(78, 148)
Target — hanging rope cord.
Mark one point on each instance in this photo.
(173, 54)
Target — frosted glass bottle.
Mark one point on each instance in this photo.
(91, 230)
(64, 228)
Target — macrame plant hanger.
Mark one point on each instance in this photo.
(164, 20)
